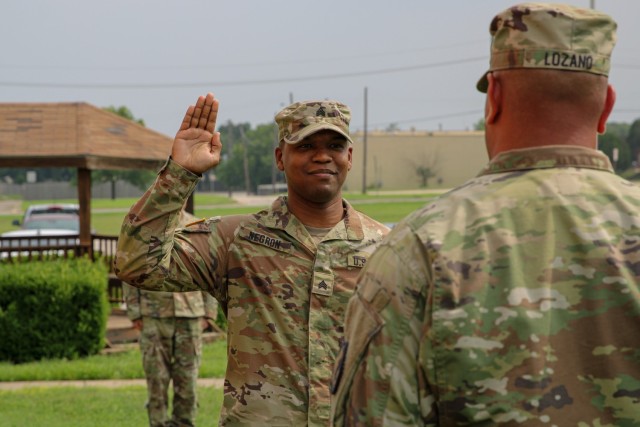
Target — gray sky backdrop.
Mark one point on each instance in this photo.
(419, 59)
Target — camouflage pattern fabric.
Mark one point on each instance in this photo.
(512, 300)
(168, 304)
(283, 295)
(171, 346)
(301, 119)
(171, 351)
(551, 36)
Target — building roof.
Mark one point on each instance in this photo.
(76, 135)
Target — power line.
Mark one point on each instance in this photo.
(279, 62)
(239, 82)
(431, 118)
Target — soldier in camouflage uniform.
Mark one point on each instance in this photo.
(170, 325)
(283, 276)
(513, 299)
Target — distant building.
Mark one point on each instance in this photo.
(409, 160)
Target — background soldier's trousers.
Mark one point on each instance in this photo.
(171, 350)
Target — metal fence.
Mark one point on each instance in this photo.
(65, 190)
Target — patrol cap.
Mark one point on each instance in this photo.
(551, 36)
(301, 119)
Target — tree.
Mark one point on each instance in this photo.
(123, 111)
(247, 156)
(621, 130)
(392, 127)
(231, 165)
(426, 169)
(424, 173)
(479, 125)
(633, 141)
(609, 143)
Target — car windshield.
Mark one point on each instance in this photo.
(57, 223)
(54, 210)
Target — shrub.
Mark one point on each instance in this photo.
(52, 309)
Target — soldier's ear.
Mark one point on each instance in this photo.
(493, 105)
(606, 110)
(278, 154)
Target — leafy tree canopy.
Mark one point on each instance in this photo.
(123, 111)
(633, 140)
(479, 125)
(242, 145)
(611, 142)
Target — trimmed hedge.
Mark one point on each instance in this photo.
(52, 309)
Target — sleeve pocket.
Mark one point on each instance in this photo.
(364, 322)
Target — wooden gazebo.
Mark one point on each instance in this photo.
(77, 135)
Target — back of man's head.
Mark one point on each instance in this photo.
(546, 96)
(551, 63)
(551, 37)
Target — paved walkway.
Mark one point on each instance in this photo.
(17, 385)
(11, 207)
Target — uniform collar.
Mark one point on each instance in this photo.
(279, 217)
(549, 156)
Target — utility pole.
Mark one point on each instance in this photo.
(245, 162)
(229, 151)
(274, 170)
(592, 3)
(364, 149)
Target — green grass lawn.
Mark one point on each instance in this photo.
(124, 365)
(97, 406)
(384, 208)
(92, 406)
(126, 202)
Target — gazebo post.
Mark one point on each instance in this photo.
(84, 200)
(77, 135)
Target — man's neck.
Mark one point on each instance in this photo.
(514, 139)
(321, 215)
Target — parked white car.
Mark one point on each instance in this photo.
(41, 230)
(47, 209)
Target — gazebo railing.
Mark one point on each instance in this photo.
(37, 248)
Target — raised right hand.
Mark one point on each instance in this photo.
(196, 146)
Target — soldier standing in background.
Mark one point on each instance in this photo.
(170, 325)
(283, 276)
(513, 299)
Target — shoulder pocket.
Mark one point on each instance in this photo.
(200, 226)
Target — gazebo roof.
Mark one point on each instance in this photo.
(76, 135)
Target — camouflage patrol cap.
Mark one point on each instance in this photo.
(551, 36)
(301, 119)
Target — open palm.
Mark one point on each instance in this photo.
(197, 146)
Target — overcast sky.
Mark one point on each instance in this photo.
(418, 59)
